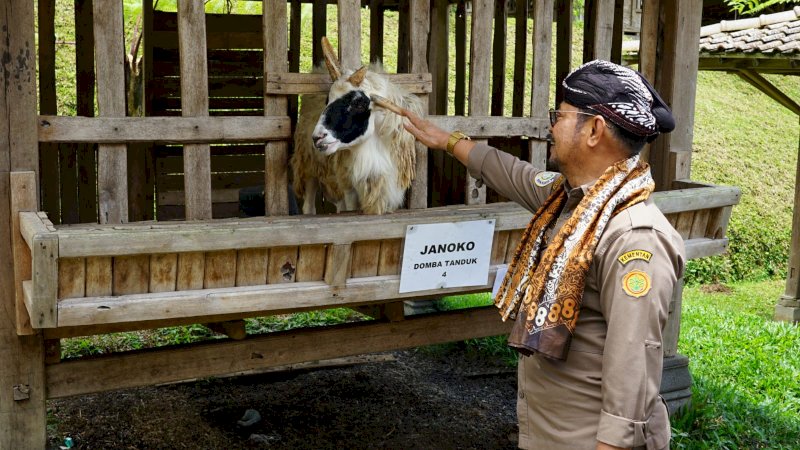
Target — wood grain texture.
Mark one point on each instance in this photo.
(99, 278)
(337, 266)
(71, 278)
(163, 272)
(191, 271)
(311, 262)
(540, 99)
(276, 157)
(112, 159)
(390, 257)
(251, 266)
(364, 259)
(23, 198)
(349, 18)
(282, 265)
(220, 269)
(131, 274)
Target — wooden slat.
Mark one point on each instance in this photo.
(220, 40)
(191, 271)
(296, 346)
(603, 27)
(520, 63)
(684, 223)
(311, 263)
(282, 265)
(699, 198)
(364, 259)
(419, 29)
(403, 37)
(99, 278)
(71, 278)
(499, 247)
(563, 45)
(276, 154)
(251, 266)
(617, 33)
(648, 41)
(702, 247)
(514, 238)
(163, 272)
(391, 255)
(489, 127)
(439, 58)
(499, 59)
(699, 224)
(540, 100)
(131, 274)
(194, 103)
(461, 58)
(220, 269)
(349, 18)
(319, 28)
(23, 198)
(375, 30)
(337, 266)
(46, 66)
(315, 83)
(112, 160)
(45, 272)
(162, 129)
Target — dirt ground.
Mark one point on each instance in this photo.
(443, 397)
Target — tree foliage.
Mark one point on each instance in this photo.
(752, 7)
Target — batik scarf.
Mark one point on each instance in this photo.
(544, 284)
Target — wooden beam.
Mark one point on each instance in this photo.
(792, 291)
(115, 130)
(23, 198)
(276, 154)
(479, 88)
(320, 83)
(541, 39)
(760, 63)
(296, 346)
(764, 85)
(648, 42)
(419, 30)
(349, 18)
(520, 63)
(439, 55)
(563, 46)
(375, 31)
(603, 28)
(112, 176)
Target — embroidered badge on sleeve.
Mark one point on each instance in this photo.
(636, 283)
(542, 179)
(627, 257)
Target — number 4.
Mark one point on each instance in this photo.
(444, 274)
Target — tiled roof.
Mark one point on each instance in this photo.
(775, 34)
(770, 34)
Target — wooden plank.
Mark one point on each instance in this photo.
(490, 127)
(337, 266)
(23, 198)
(52, 351)
(220, 269)
(479, 73)
(603, 28)
(204, 360)
(703, 247)
(85, 99)
(648, 39)
(364, 259)
(438, 55)
(131, 274)
(191, 271)
(82, 241)
(499, 247)
(319, 28)
(499, 59)
(718, 222)
(68, 178)
(316, 83)
(349, 18)
(617, 31)
(520, 63)
(45, 272)
(162, 129)
(699, 224)
(99, 279)
(29, 222)
(221, 163)
(563, 46)
(403, 36)
(684, 223)
(50, 185)
(194, 103)
(514, 238)
(276, 154)
(163, 272)
(220, 40)
(375, 31)
(112, 160)
(461, 58)
(698, 198)
(282, 265)
(251, 266)
(419, 25)
(311, 263)
(234, 329)
(71, 278)
(390, 257)
(792, 291)
(540, 99)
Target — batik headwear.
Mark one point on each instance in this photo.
(621, 95)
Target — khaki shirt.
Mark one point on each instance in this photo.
(608, 387)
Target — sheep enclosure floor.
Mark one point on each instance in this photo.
(441, 397)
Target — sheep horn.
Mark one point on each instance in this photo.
(358, 76)
(330, 59)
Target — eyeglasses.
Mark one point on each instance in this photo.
(554, 115)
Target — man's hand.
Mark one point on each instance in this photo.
(425, 131)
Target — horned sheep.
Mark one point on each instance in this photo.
(357, 152)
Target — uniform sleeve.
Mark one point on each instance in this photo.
(638, 271)
(510, 176)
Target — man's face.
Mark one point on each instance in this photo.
(565, 138)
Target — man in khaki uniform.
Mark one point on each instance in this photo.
(592, 279)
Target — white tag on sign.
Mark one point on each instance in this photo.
(498, 279)
(446, 255)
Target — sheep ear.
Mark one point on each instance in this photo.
(330, 59)
(357, 77)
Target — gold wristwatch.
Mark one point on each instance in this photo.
(455, 136)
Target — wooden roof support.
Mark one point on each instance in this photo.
(788, 307)
(763, 85)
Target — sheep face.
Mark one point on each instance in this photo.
(347, 121)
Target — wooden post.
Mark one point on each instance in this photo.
(22, 380)
(319, 28)
(520, 62)
(499, 58)
(540, 99)
(788, 307)
(276, 154)
(375, 30)
(438, 51)
(419, 22)
(349, 17)
(563, 46)
(194, 103)
(603, 28)
(23, 198)
(676, 82)
(480, 46)
(85, 83)
(50, 185)
(461, 57)
(112, 176)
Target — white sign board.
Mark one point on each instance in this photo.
(446, 255)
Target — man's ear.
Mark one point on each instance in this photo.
(597, 130)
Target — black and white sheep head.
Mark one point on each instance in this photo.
(349, 119)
